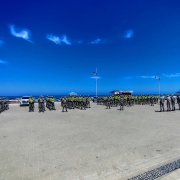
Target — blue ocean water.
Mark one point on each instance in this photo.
(59, 96)
(55, 96)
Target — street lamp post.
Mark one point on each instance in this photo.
(96, 77)
(158, 78)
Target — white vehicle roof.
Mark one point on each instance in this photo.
(25, 97)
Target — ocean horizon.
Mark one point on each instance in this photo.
(61, 95)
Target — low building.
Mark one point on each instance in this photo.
(119, 92)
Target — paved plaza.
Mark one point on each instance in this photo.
(91, 144)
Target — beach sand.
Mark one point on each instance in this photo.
(92, 144)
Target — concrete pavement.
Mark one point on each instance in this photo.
(92, 144)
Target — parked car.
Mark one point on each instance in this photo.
(94, 99)
(24, 100)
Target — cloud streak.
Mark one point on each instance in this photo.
(172, 75)
(129, 77)
(95, 77)
(2, 62)
(80, 42)
(58, 40)
(129, 34)
(97, 41)
(1, 42)
(54, 39)
(146, 77)
(20, 33)
(152, 77)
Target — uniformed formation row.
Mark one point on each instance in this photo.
(127, 100)
(70, 102)
(171, 102)
(41, 103)
(4, 105)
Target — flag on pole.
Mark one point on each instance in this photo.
(156, 77)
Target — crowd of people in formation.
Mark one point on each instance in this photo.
(49, 101)
(130, 100)
(126, 100)
(83, 102)
(72, 102)
(171, 102)
(67, 102)
(4, 104)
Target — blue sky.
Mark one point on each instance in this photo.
(53, 47)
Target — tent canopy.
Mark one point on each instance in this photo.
(73, 94)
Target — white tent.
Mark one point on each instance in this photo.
(73, 94)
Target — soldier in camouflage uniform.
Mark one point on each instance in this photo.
(108, 103)
(41, 105)
(173, 99)
(178, 100)
(121, 102)
(168, 103)
(162, 100)
(64, 104)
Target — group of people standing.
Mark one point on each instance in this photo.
(171, 100)
(72, 102)
(83, 102)
(126, 100)
(4, 104)
(67, 102)
(49, 100)
(130, 100)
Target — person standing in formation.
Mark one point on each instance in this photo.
(162, 100)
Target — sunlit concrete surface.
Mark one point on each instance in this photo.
(92, 144)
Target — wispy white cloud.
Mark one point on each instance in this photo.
(129, 34)
(80, 41)
(65, 40)
(58, 40)
(2, 62)
(129, 77)
(20, 33)
(53, 38)
(1, 42)
(172, 75)
(146, 76)
(97, 41)
(152, 77)
(95, 77)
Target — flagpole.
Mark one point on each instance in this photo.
(159, 87)
(96, 82)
